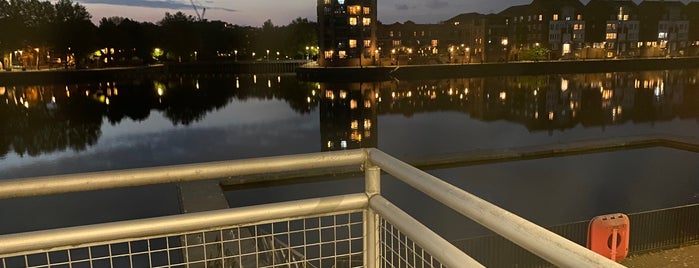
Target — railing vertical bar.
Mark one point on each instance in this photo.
(372, 177)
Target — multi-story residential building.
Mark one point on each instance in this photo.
(347, 32)
(482, 38)
(612, 29)
(401, 43)
(692, 12)
(664, 28)
(555, 25)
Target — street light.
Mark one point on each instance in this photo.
(37, 58)
(268, 55)
(235, 52)
(277, 55)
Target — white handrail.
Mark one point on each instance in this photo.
(171, 174)
(544, 243)
(83, 236)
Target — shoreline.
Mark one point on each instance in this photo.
(446, 71)
(313, 73)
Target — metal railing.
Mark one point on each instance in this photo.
(354, 230)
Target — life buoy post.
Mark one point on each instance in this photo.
(608, 235)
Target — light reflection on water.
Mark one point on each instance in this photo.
(56, 129)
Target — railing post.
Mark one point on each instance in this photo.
(372, 246)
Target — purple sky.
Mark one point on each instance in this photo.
(281, 12)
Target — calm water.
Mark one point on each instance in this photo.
(58, 129)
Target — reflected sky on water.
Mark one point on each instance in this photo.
(58, 129)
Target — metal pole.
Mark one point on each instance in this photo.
(47, 185)
(544, 243)
(372, 244)
(116, 232)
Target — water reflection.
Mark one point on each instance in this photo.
(50, 118)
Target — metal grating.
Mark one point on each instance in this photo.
(397, 250)
(325, 241)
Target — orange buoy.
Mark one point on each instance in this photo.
(608, 235)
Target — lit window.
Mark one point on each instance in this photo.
(541, 17)
(327, 2)
(367, 43)
(353, 21)
(328, 54)
(626, 17)
(353, 104)
(396, 43)
(662, 35)
(366, 21)
(354, 10)
(354, 124)
(611, 26)
(611, 36)
(367, 10)
(434, 42)
(341, 2)
(367, 124)
(342, 54)
(579, 17)
(555, 16)
(352, 43)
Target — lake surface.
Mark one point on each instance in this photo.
(60, 129)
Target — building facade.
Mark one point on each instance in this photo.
(347, 32)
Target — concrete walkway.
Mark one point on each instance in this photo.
(687, 256)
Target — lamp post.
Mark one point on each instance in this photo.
(37, 58)
(277, 55)
(268, 55)
(393, 54)
(235, 52)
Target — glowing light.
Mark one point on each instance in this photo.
(269, 83)
(197, 84)
(106, 101)
(254, 79)
(550, 115)
(503, 95)
(161, 91)
(308, 99)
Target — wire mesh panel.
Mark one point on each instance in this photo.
(398, 250)
(325, 241)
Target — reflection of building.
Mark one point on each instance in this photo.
(347, 32)
(348, 116)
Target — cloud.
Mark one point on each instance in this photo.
(436, 4)
(170, 4)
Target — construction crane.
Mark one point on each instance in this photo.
(196, 10)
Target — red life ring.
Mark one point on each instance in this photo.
(608, 235)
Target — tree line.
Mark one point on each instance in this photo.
(48, 32)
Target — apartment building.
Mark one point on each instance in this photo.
(347, 32)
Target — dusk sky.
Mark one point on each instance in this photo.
(281, 12)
